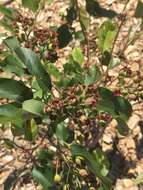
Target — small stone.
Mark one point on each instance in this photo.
(128, 182)
(133, 121)
(7, 159)
(107, 139)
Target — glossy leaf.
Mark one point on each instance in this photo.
(33, 106)
(11, 113)
(30, 130)
(12, 89)
(93, 165)
(92, 75)
(31, 4)
(114, 62)
(106, 106)
(106, 58)
(84, 17)
(9, 143)
(139, 10)
(78, 55)
(18, 129)
(106, 34)
(40, 177)
(122, 127)
(6, 23)
(9, 12)
(11, 64)
(72, 67)
(79, 35)
(12, 42)
(45, 154)
(32, 62)
(62, 132)
(123, 107)
(105, 93)
(53, 70)
(139, 179)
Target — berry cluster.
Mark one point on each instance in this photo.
(43, 41)
(47, 39)
(25, 21)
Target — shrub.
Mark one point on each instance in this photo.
(62, 113)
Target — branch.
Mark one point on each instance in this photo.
(7, 2)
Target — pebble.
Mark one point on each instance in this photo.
(125, 184)
(107, 139)
(133, 121)
(7, 158)
(128, 182)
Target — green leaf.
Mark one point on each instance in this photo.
(53, 70)
(102, 160)
(30, 130)
(13, 60)
(78, 55)
(139, 179)
(33, 5)
(84, 17)
(11, 113)
(139, 10)
(12, 69)
(106, 106)
(114, 62)
(123, 107)
(9, 143)
(115, 105)
(32, 62)
(92, 75)
(122, 127)
(18, 129)
(12, 64)
(106, 58)
(38, 93)
(62, 132)
(92, 163)
(15, 90)
(6, 23)
(72, 67)
(45, 154)
(9, 12)
(106, 35)
(12, 42)
(40, 177)
(105, 93)
(33, 106)
(79, 35)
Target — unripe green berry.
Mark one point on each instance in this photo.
(66, 187)
(91, 188)
(57, 178)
